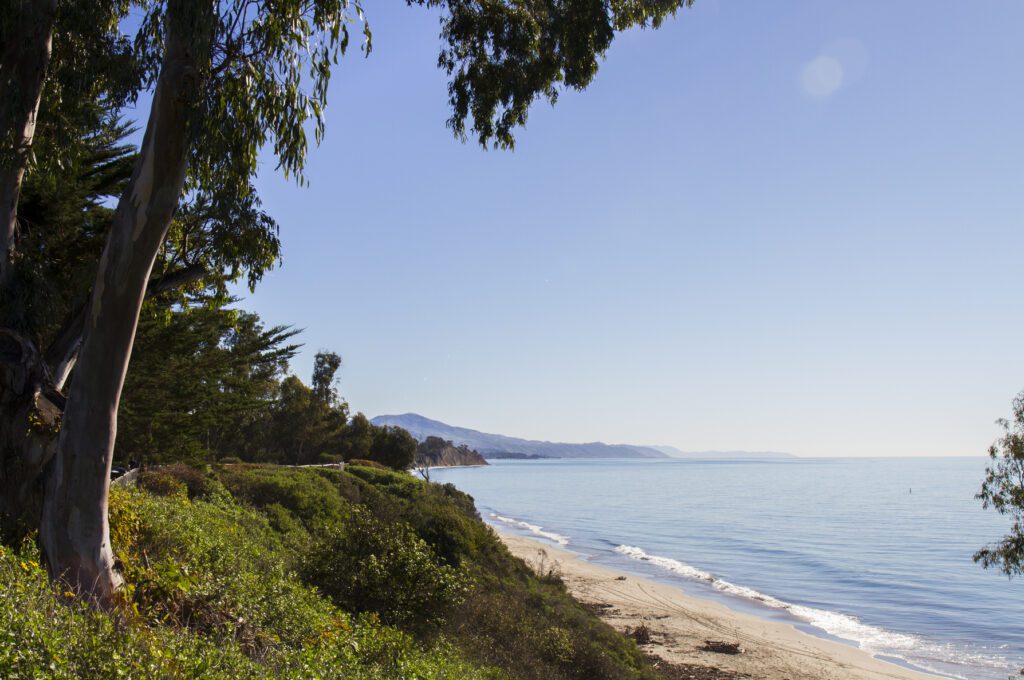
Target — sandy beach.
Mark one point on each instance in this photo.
(681, 624)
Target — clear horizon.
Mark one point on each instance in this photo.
(763, 227)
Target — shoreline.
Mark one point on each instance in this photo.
(680, 624)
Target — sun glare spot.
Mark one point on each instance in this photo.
(821, 77)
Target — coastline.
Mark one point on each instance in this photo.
(680, 624)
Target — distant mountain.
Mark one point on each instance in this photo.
(499, 446)
(676, 453)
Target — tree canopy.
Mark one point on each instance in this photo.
(210, 383)
(1003, 491)
(173, 222)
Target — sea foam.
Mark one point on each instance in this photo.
(830, 545)
(871, 639)
(532, 528)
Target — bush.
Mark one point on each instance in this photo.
(367, 565)
(225, 579)
(178, 479)
(216, 568)
(217, 578)
(368, 463)
(641, 634)
(161, 484)
(441, 515)
(510, 617)
(398, 484)
(42, 636)
(312, 495)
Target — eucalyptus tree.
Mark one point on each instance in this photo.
(325, 371)
(82, 165)
(1003, 491)
(90, 59)
(229, 77)
(62, 68)
(26, 32)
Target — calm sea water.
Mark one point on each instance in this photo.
(875, 552)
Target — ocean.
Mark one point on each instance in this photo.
(873, 552)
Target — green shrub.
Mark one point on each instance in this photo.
(458, 537)
(226, 576)
(311, 496)
(216, 568)
(368, 463)
(441, 515)
(399, 484)
(171, 480)
(162, 484)
(511, 617)
(217, 576)
(42, 636)
(282, 520)
(367, 565)
(516, 622)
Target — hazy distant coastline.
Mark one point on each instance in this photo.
(496, 446)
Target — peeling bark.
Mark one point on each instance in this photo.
(22, 73)
(74, 533)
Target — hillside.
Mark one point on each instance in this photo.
(494, 445)
(244, 571)
(437, 452)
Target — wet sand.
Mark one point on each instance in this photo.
(680, 625)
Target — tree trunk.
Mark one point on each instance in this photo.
(22, 73)
(74, 533)
(62, 353)
(29, 419)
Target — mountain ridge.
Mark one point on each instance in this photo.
(503, 446)
(493, 445)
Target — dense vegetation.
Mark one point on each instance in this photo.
(211, 383)
(232, 569)
(229, 85)
(263, 571)
(1003, 491)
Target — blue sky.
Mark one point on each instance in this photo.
(789, 226)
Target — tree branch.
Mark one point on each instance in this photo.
(23, 71)
(63, 351)
(60, 355)
(176, 279)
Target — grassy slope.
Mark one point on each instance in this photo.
(250, 571)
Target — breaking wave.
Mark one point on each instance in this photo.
(872, 639)
(532, 528)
